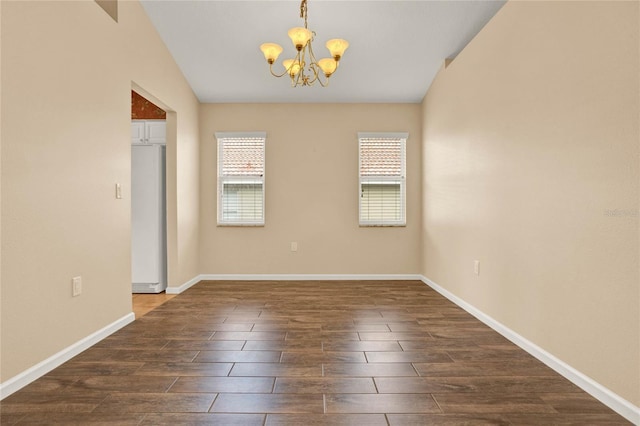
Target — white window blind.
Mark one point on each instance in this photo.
(241, 169)
(382, 179)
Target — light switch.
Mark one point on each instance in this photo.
(118, 191)
(76, 286)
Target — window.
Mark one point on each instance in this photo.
(241, 178)
(382, 178)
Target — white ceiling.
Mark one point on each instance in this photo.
(396, 47)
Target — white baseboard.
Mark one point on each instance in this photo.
(183, 287)
(23, 379)
(309, 277)
(618, 404)
(291, 277)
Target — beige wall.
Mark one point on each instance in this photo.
(530, 162)
(67, 73)
(311, 192)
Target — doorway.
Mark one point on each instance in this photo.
(148, 196)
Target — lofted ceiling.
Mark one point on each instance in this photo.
(396, 47)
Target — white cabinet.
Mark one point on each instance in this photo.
(145, 132)
(138, 133)
(156, 132)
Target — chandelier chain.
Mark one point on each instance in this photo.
(303, 12)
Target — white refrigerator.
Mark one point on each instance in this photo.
(148, 219)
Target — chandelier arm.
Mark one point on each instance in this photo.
(325, 84)
(301, 74)
(317, 71)
(313, 65)
(314, 79)
(299, 59)
(277, 75)
(302, 57)
(296, 80)
(312, 56)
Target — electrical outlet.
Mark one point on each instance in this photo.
(294, 246)
(476, 267)
(76, 286)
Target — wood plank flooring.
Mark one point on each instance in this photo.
(312, 353)
(145, 303)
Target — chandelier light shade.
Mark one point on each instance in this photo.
(271, 51)
(337, 46)
(297, 69)
(291, 66)
(328, 66)
(299, 36)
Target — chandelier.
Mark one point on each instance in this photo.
(304, 69)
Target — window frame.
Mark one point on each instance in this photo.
(382, 180)
(238, 179)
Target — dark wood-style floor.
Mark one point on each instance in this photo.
(144, 303)
(305, 353)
